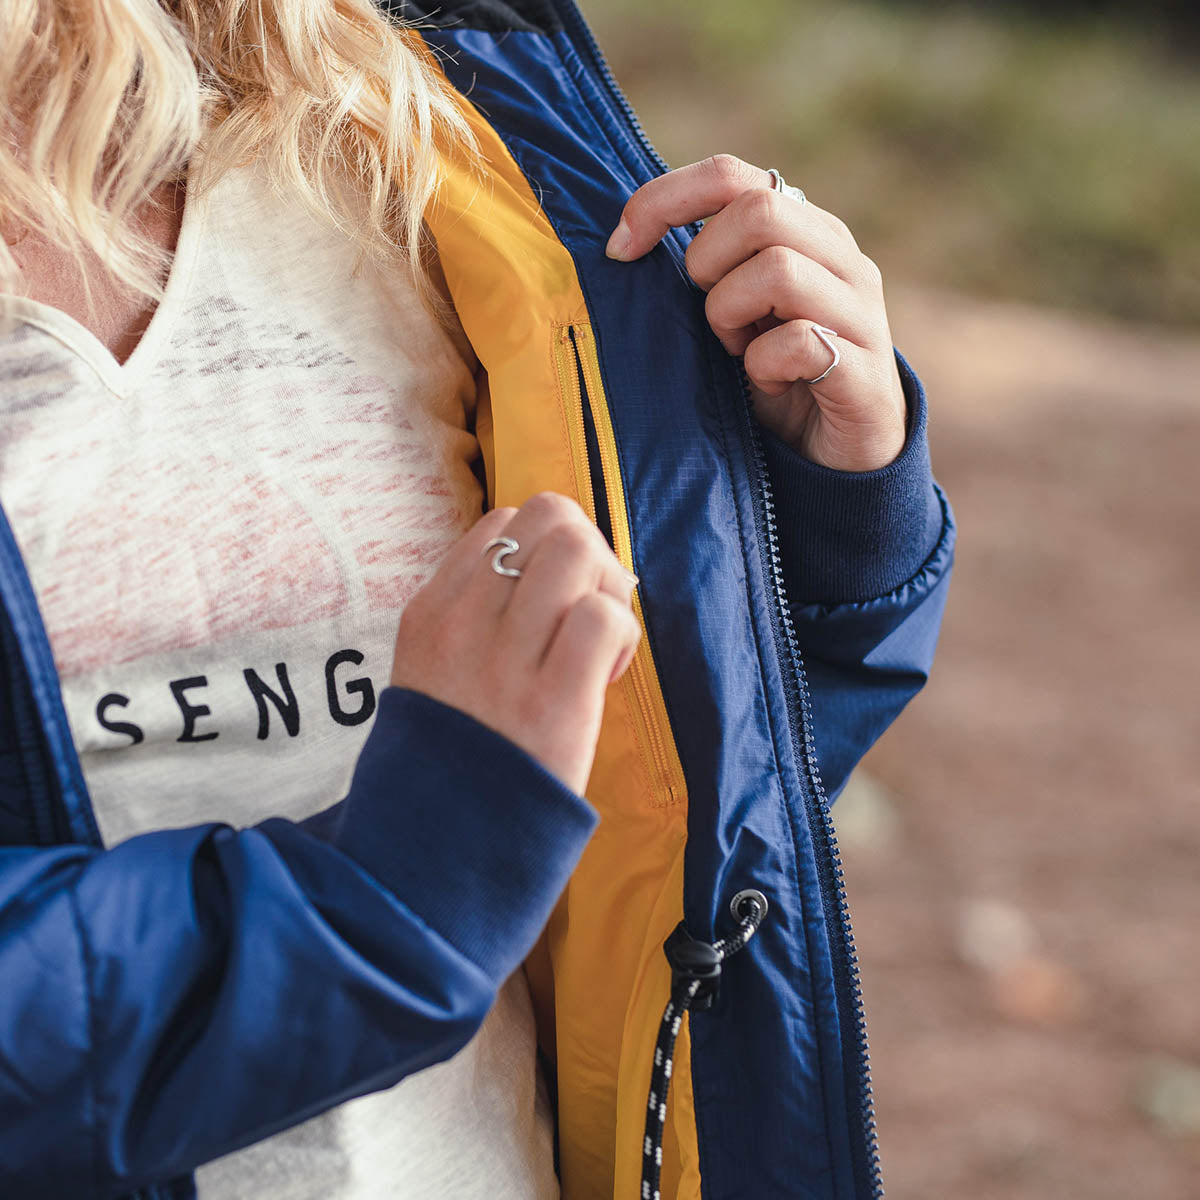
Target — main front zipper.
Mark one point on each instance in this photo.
(868, 1179)
(598, 485)
(852, 1019)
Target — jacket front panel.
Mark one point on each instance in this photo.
(787, 1029)
(36, 751)
(675, 399)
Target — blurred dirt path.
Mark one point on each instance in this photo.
(1030, 915)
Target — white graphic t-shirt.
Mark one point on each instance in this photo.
(222, 533)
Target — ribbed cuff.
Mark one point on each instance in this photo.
(848, 536)
(461, 825)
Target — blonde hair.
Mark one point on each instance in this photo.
(102, 101)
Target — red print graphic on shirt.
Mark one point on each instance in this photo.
(162, 557)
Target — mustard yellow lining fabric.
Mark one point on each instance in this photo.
(599, 976)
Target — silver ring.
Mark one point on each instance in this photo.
(823, 336)
(506, 546)
(778, 184)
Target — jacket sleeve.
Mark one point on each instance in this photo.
(866, 560)
(191, 991)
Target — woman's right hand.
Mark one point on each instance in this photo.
(531, 657)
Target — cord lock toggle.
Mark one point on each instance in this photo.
(690, 961)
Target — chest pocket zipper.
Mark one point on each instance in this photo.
(600, 491)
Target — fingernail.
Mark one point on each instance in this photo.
(620, 243)
(631, 577)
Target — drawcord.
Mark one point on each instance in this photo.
(695, 978)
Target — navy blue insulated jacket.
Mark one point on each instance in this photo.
(173, 998)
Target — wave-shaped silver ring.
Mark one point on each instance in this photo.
(504, 546)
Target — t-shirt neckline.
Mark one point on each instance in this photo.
(122, 378)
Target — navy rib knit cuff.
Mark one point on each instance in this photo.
(461, 825)
(849, 536)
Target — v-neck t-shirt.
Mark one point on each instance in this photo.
(222, 533)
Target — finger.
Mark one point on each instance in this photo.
(542, 513)
(758, 219)
(695, 193)
(566, 563)
(626, 656)
(777, 359)
(488, 592)
(680, 197)
(462, 561)
(782, 284)
(589, 645)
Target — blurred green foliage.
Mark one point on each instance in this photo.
(1053, 159)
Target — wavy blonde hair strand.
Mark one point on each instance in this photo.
(105, 100)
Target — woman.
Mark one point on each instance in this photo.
(231, 487)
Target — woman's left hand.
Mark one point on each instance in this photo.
(774, 267)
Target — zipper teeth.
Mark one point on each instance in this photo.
(637, 675)
(823, 830)
(623, 546)
(569, 368)
(833, 882)
(583, 33)
(610, 468)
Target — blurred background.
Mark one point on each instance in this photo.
(1023, 847)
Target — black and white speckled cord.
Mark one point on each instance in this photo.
(695, 975)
